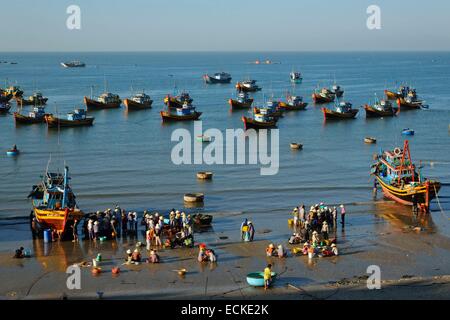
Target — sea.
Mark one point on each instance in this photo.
(125, 157)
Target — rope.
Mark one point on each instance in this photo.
(439, 203)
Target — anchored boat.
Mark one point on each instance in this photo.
(106, 100)
(15, 91)
(178, 101)
(37, 115)
(323, 96)
(186, 113)
(243, 101)
(400, 181)
(259, 121)
(342, 111)
(77, 118)
(37, 99)
(220, 77)
(293, 103)
(73, 64)
(296, 77)
(4, 107)
(248, 86)
(138, 102)
(381, 108)
(410, 101)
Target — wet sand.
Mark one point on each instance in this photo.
(408, 259)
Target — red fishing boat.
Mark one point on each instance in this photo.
(342, 111)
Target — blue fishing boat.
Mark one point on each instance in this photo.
(13, 152)
(296, 77)
(407, 132)
(256, 279)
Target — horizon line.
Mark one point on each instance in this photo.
(237, 51)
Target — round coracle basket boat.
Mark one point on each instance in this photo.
(256, 279)
(204, 175)
(296, 146)
(370, 140)
(194, 197)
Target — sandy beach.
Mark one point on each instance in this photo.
(408, 258)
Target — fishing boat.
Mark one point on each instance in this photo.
(296, 146)
(13, 151)
(77, 118)
(402, 92)
(337, 90)
(248, 86)
(400, 181)
(259, 121)
(381, 108)
(37, 99)
(106, 100)
(185, 113)
(370, 140)
(293, 103)
(296, 77)
(15, 91)
(37, 115)
(323, 96)
(4, 107)
(178, 101)
(54, 204)
(73, 64)
(243, 101)
(343, 110)
(220, 77)
(407, 132)
(5, 96)
(271, 109)
(138, 102)
(410, 102)
(202, 220)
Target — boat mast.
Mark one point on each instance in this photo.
(66, 173)
(410, 167)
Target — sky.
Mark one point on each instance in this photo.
(224, 25)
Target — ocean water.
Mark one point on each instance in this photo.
(125, 158)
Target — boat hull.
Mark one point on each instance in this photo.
(133, 105)
(390, 95)
(6, 98)
(53, 122)
(404, 196)
(210, 80)
(95, 105)
(250, 123)
(319, 99)
(21, 119)
(286, 107)
(333, 115)
(167, 116)
(56, 219)
(403, 105)
(5, 110)
(239, 105)
(372, 112)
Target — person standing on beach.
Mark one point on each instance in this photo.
(267, 276)
(375, 189)
(96, 230)
(90, 227)
(123, 221)
(251, 231)
(135, 221)
(334, 214)
(342, 215)
(75, 230)
(302, 213)
(243, 230)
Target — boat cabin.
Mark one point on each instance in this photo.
(77, 114)
(37, 112)
(108, 97)
(392, 167)
(344, 107)
(141, 98)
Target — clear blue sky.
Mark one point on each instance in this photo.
(224, 25)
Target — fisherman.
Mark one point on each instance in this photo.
(244, 228)
(281, 251)
(375, 189)
(90, 228)
(302, 213)
(267, 276)
(334, 214)
(270, 250)
(296, 216)
(325, 230)
(153, 257)
(334, 249)
(117, 220)
(202, 253)
(315, 238)
(148, 238)
(342, 215)
(135, 221)
(19, 253)
(96, 230)
(161, 222)
(130, 222)
(75, 230)
(211, 255)
(129, 257)
(136, 256)
(158, 232)
(251, 231)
